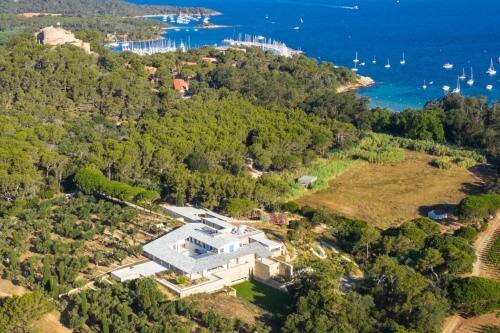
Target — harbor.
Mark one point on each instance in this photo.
(274, 46)
(149, 47)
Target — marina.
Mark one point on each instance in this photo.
(150, 47)
(274, 46)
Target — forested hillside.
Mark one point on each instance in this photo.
(103, 16)
(89, 7)
(112, 124)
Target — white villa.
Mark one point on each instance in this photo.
(210, 253)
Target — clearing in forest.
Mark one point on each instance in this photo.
(386, 195)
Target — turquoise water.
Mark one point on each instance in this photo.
(430, 32)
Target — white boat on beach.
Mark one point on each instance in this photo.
(470, 82)
(388, 64)
(491, 70)
(448, 66)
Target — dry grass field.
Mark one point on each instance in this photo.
(386, 195)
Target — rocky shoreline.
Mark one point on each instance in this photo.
(361, 82)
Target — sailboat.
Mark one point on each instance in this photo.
(470, 82)
(301, 20)
(457, 89)
(267, 16)
(388, 64)
(462, 77)
(491, 70)
(355, 69)
(374, 61)
(356, 59)
(403, 61)
(424, 86)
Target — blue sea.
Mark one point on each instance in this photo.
(430, 33)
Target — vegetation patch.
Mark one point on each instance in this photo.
(384, 195)
(267, 298)
(493, 254)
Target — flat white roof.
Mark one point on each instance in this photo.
(265, 241)
(161, 249)
(146, 269)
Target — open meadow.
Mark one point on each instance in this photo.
(386, 195)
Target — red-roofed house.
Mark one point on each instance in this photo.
(181, 85)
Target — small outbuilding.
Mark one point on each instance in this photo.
(437, 214)
(307, 180)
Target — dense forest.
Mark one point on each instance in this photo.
(412, 278)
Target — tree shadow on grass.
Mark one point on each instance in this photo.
(474, 188)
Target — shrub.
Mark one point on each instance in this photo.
(383, 156)
(181, 279)
(467, 232)
(290, 206)
(443, 162)
(475, 295)
(479, 207)
(239, 207)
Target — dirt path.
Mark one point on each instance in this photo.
(457, 324)
(481, 246)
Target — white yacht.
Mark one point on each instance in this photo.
(470, 82)
(491, 70)
(362, 63)
(457, 89)
(403, 61)
(448, 66)
(446, 88)
(388, 64)
(356, 59)
(374, 61)
(296, 28)
(489, 87)
(424, 86)
(462, 77)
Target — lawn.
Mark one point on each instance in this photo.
(265, 297)
(385, 195)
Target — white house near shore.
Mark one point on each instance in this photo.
(210, 253)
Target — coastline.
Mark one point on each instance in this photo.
(215, 26)
(362, 82)
(212, 13)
